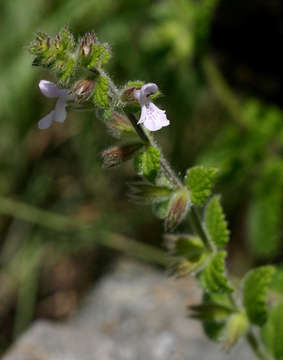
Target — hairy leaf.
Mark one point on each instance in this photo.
(272, 332)
(100, 95)
(199, 180)
(147, 164)
(265, 212)
(215, 223)
(255, 287)
(213, 277)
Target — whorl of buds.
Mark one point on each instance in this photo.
(86, 43)
(118, 154)
(178, 208)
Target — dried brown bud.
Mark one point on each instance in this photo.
(128, 95)
(118, 154)
(178, 208)
(83, 89)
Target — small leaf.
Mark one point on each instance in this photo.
(199, 181)
(215, 223)
(255, 287)
(213, 277)
(147, 164)
(178, 208)
(100, 95)
(265, 212)
(272, 332)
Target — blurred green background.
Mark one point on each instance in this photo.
(218, 66)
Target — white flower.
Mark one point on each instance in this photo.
(50, 90)
(152, 117)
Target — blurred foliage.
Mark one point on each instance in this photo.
(167, 42)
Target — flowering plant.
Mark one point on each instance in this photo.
(226, 317)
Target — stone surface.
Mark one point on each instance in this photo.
(134, 313)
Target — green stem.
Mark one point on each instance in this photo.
(199, 229)
(256, 346)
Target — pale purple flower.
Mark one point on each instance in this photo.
(152, 117)
(50, 90)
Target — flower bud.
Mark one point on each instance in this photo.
(178, 208)
(120, 126)
(128, 95)
(183, 267)
(148, 193)
(118, 154)
(83, 89)
(86, 44)
(236, 327)
(184, 245)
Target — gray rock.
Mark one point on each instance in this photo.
(135, 313)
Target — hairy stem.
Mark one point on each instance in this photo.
(256, 346)
(196, 225)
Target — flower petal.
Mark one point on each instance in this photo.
(60, 110)
(46, 121)
(49, 89)
(154, 118)
(149, 89)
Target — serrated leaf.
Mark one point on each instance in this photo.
(265, 212)
(213, 277)
(215, 223)
(147, 164)
(100, 95)
(255, 287)
(272, 332)
(199, 181)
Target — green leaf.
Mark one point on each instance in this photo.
(147, 164)
(100, 95)
(199, 181)
(213, 277)
(265, 212)
(215, 223)
(255, 287)
(272, 332)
